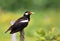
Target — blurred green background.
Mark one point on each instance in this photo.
(44, 24)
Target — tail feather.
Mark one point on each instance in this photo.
(7, 30)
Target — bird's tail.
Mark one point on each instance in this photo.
(7, 30)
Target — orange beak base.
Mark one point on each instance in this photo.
(30, 12)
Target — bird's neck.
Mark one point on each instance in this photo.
(28, 16)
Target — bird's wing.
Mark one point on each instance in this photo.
(18, 23)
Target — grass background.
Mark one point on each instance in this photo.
(44, 23)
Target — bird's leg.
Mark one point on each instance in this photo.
(22, 35)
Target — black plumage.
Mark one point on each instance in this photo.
(20, 23)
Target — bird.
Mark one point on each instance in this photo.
(20, 23)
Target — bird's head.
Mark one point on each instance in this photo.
(27, 13)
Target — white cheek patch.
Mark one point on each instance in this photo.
(24, 21)
(26, 13)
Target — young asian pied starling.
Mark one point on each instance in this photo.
(21, 23)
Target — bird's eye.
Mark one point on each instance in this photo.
(26, 13)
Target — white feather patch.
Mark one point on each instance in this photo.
(12, 22)
(13, 37)
(26, 13)
(24, 21)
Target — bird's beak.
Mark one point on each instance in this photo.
(31, 12)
